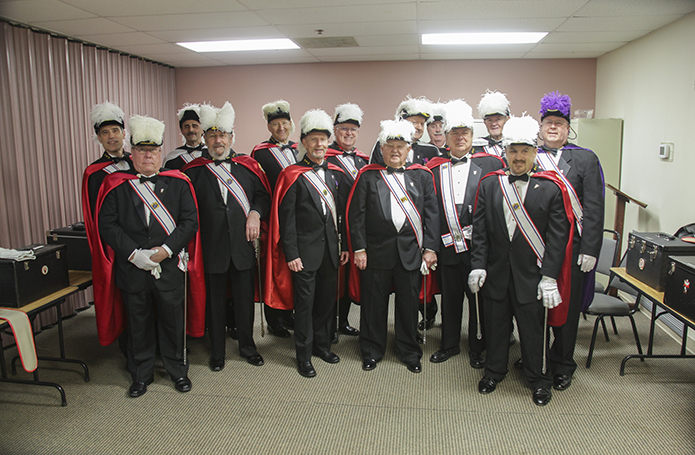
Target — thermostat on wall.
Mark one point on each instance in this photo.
(666, 151)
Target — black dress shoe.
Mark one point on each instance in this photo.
(306, 369)
(519, 364)
(421, 324)
(476, 359)
(415, 367)
(442, 355)
(183, 385)
(368, 364)
(216, 364)
(279, 331)
(487, 385)
(328, 356)
(541, 396)
(138, 389)
(255, 360)
(231, 331)
(562, 382)
(349, 331)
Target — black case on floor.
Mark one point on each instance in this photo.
(75, 239)
(647, 256)
(22, 282)
(679, 294)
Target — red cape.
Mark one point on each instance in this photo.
(334, 152)
(558, 315)
(89, 221)
(278, 289)
(354, 278)
(267, 145)
(108, 305)
(254, 167)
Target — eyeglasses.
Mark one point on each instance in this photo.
(555, 123)
(144, 151)
(345, 129)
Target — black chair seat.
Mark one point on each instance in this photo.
(608, 305)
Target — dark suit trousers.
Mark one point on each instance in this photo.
(562, 350)
(242, 286)
(530, 322)
(376, 288)
(141, 308)
(454, 286)
(314, 300)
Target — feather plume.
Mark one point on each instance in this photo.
(221, 119)
(556, 102)
(348, 113)
(188, 107)
(458, 114)
(401, 130)
(414, 106)
(520, 130)
(315, 120)
(437, 110)
(107, 112)
(493, 103)
(276, 107)
(145, 130)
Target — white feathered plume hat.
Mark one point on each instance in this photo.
(414, 106)
(315, 120)
(401, 130)
(437, 110)
(146, 130)
(348, 113)
(222, 119)
(458, 114)
(278, 109)
(493, 103)
(188, 112)
(107, 113)
(521, 130)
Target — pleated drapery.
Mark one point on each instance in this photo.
(48, 87)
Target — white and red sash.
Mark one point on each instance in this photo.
(23, 335)
(115, 167)
(160, 213)
(496, 150)
(406, 203)
(188, 157)
(233, 186)
(281, 157)
(325, 193)
(522, 218)
(349, 165)
(548, 163)
(455, 236)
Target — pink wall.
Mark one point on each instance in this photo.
(378, 87)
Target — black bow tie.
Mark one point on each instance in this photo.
(455, 160)
(494, 142)
(550, 150)
(349, 153)
(225, 160)
(315, 166)
(115, 159)
(522, 177)
(190, 149)
(144, 179)
(391, 170)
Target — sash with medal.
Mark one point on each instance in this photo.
(496, 150)
(188, 157)
(407, 204)
(281, 157)
(548, 163)
(232, 185)
(160, 213)
(348, 165)
(115, 167)
(324, 192)
(522, 218)
(455, 235)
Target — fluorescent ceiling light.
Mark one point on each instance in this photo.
(240, 45)
(483, 38)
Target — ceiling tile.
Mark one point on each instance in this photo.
(369, 58)
(349, 29)
(388, 40)
(358, 13)
(155, 7)
(606, 24)
(542, 55)
(279, 4)
(577, 47)
(497, 9)
(214, 34)
(619, 8)
(405, 49)
(82, 27)
(122, 39)
(147, 49)
(478, 48)
(31, 11)
(191, 21)
(592, 37)
(490, 25)
(471, 55)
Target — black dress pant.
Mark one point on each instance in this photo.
(454, 286)
(242, 286)
(530, 320)
(314, 300)
(375, 289)
(155, 313)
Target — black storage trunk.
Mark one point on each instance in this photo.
(22, 282)
(78, 255)
(647, 256)
(679, 294)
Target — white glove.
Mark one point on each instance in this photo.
(549, 293)
(586, 263)
(141, 259)
(157, 271)
(424, 269)
(476, 279)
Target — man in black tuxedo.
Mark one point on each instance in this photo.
(233, 196)
(521, 269)
(493, 108)
(394, 232)
(148, 222)
(189, 125)
(456, 180)
(310, 197)
(274, 155)
(581, 171)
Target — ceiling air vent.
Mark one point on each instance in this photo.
(323, 42)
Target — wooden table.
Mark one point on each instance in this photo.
(79, 281)
(657, 299)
